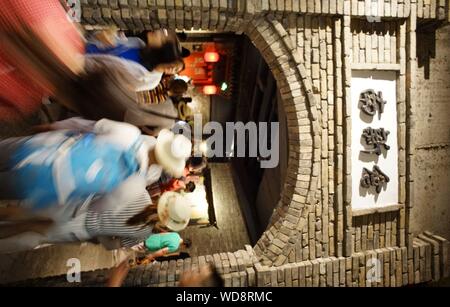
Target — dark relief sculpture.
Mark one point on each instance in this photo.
(370, 102)
(375, 138)
(375, 178)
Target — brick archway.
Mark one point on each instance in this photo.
(295, 86)
(316, 51)
(297, 197)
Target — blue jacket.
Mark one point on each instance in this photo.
(69, 167)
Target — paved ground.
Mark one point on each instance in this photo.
(53, 260)
(231, 234)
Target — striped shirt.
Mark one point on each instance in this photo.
(113, 222)
(154, 96)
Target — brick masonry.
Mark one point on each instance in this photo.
(381, 267)
(311, 48)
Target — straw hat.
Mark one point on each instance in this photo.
(172, 151)
(174, 211)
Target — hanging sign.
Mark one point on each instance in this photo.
(374, 139)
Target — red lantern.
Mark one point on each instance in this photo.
(211, 57)
(210, 90)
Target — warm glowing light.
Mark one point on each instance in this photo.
(198, 202)
(209, 90)
(203, 148)
(211, 57)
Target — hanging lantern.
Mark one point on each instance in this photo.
(210, 90)
(211, 57)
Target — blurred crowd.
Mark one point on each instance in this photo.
(87, 175)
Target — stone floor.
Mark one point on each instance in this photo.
(53, 260)
(231, 234)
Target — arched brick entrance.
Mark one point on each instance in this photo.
(313, 238)
(274, 43)
(270, 37)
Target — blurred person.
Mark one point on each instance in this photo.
(110, 41)
(64, 167)
(165, 59)
(196, 165)
(121, 78)
(167, 243)
(178, 184)
(162, 56)
(191, 175)
(161, 245)
(124, 79)
(38, 44)
(168, 87)
(123, 219)
(158, 116)
(167, 183)
(163, 47)
(206, 276)
(154, 96)
(170, 91)
(190, 187)
(161, 62)
(118, 274)
(156, 38)
(177, 88)
(149, 38)
(42, 55)
(177, 256)
(152, 39)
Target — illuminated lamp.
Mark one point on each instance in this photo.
(211, 57)
(209, 90)
(203, 147)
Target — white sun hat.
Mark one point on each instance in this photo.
(174, 211)
(172, 151)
